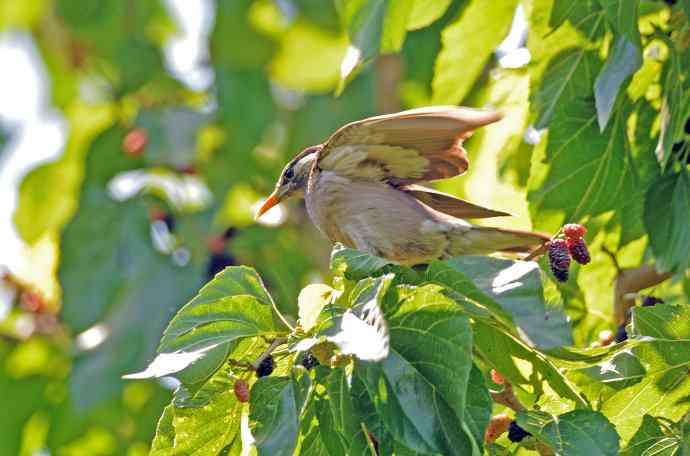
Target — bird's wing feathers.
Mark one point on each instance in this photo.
(410, 146)
(449, 204)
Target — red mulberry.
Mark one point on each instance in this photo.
(578, 250)
(241, 390)
(574, 230)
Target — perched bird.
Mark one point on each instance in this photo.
(361, 188)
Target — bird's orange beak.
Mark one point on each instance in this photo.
(271, 201)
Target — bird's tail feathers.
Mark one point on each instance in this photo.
(481, 240)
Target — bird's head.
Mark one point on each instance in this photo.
(293, 180)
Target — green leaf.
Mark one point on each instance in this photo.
(234, 304)
(675, 106)
(425, 12)
(362, 330)
(624, 60)
(355, 264)
(429, 330)
(412, 409)
(505, 351)
(667, 223)
(665, 353)
(342, 433)
(506, 288)
(311, 301)
(479, 405)
(468, 43)
(574, 433)
(585, 15)
(564, 79)
(395, 25)
(274, 413)
(648, 435)
(199, 431)
(582, 171)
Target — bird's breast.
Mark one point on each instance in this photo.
(374, 217)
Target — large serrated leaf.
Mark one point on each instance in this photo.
(362, 330)
(667, 224)
(342, 432)
(574, 433)
(201, 428)
(468, 43)
(510, 290)
(274, 412)
(411, 408)
(664, 349)
(234, 304)
(583, 170)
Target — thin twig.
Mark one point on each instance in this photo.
(276, 342)
(507, 397)
(630, 281)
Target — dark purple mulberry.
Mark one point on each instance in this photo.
(516, 433)
(265, 367)
(559, 259)
(309, 360)
(649, 301)
(578, 250)
(621, 334)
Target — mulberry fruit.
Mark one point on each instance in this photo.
(265, 367)
(497, 426)
(649, 301)
(578, 250)
(135, 142)
(621, 334)
(574, 230)
(516, 433)
(217, 263)
(559, 259)
(497, 378)
(309, 361)
(241, 389)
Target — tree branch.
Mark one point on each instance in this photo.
(630, 281)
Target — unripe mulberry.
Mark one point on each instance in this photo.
(135, 142)
(265, 367)
(497, 426)
(559, 259)
(574, 230)
(241, 390)
(578, 250)
(497, 378)
(516, 433)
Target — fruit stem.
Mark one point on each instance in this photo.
(276, 342)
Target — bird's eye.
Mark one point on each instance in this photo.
(290, 173)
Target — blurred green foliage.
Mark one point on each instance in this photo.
(613, 90)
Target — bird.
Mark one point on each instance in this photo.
(363, 188)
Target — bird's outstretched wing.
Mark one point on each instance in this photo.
(410, 146)
(449, 204)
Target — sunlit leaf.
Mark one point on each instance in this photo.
(467, 45)
(234, 304)
(573, 433)
(666, 223)
(274, 412)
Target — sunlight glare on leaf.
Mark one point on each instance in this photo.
(350, 61)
